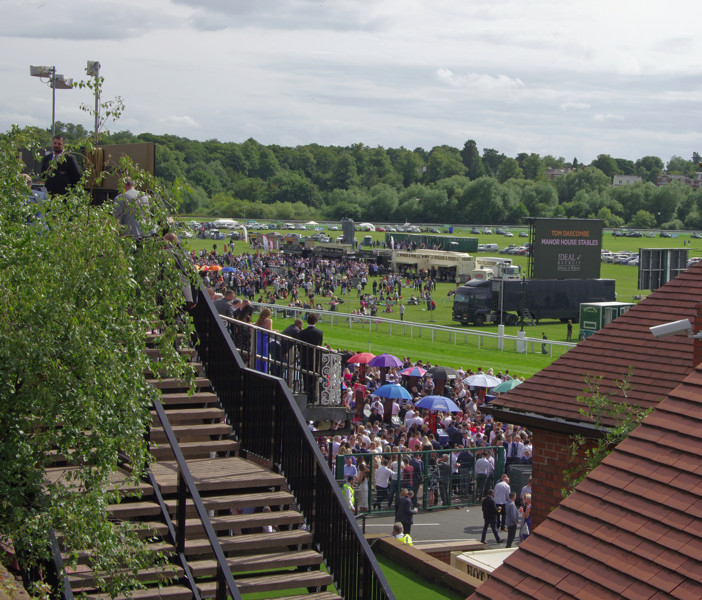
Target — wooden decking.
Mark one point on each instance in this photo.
(267, 545)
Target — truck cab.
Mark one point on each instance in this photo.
(472, 302)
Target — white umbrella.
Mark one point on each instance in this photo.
(482, 380)
(311, 223)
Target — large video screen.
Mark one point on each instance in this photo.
(567, 248)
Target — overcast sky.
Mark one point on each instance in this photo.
(553, 77)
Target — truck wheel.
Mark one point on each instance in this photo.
(479, 320)
(511, 320)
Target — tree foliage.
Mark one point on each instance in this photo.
(600, 408)
(276, 182)
(78, 296)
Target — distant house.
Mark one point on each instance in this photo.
(694, 183)
(548, 404)
(552, 174)
(618, 180)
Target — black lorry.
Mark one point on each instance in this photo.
(504, 301)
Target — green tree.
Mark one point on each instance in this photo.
(650, 168)
(491, 161)
(509, 169)
(444, 162)
(471, 159)
(643, 220)
(344, 174)
(72, 364)
(533, 167)
(606, 164)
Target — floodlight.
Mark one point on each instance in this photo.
(673, 328)
(93, 68)
(40, 71)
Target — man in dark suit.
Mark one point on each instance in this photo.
(314, 336)
(59, 169)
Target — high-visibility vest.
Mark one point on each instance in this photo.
(350, 495)
(405, 539)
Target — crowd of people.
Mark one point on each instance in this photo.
(444, 458)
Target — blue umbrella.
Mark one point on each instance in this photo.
(228, 270)
(438, 403)
(392, 390)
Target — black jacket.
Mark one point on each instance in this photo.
(60, 174)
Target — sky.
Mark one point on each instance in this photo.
(569, 79)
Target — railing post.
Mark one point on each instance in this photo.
(180, 514)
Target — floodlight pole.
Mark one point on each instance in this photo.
(93, 69)
(54, 80)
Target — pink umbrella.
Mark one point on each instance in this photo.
(361, 358)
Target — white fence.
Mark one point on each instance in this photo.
(520, 343)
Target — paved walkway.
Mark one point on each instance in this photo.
(450, 525)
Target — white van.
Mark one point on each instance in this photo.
(491, 248)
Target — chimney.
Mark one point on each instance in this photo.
(697, 342)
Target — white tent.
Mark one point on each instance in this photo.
(311, 223)
(366, 227)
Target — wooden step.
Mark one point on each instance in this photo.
(85, 580)
(170, 399)
(190, 432)
(217, 475)
(194, 527)
(232, 501)
(153, 371)
(248, 542)
(271, 583)
(190, 415)
(131, 510)
(173, 592)
(170, 383)
(258, 562)
(195, 449)
(155, 353)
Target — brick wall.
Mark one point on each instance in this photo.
(551, 457)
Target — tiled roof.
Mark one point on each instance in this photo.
(658, 365)
(632, 528)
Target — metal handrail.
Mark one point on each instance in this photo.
(225, 580)
(57, 572)
(269, 424)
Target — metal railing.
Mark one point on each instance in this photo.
(306, 369)
(483, 339)
(455, 484)
(270, 425)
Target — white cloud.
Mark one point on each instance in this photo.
(478, 80)
(544, 76)
(608, 117)
(575, 106)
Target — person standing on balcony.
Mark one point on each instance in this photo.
(314, 336)
(59, 169)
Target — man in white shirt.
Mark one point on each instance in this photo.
(382, 481)
(502, 491)
(482, 471)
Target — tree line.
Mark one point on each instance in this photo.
(444, 184)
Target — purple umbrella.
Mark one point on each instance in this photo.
(385, 360)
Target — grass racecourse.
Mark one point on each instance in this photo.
(458, 349)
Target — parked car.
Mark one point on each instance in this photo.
(697, 236)
(636, 234)
(487, 230)
(500, 231)
(475, 230)
(523, 234)
(665, 234)
(433, 230)
(333, 228)
(509, 234)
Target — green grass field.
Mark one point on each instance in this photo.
(459, 350)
